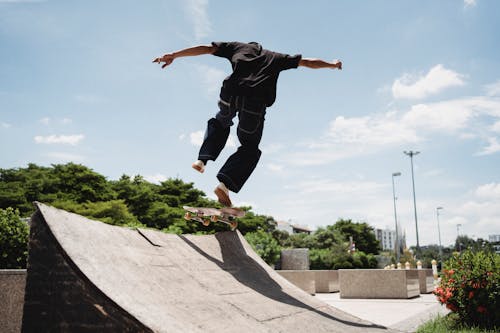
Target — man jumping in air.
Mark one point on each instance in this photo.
(247, 92)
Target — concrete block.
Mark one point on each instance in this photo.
(426, 280)
(305, 280)
(295, 259)
(378, 283)
(327, 281)
(12, 284)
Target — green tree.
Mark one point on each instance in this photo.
(252, 222)
(113, 212)
(464, 242)
(81, 184)
(265, 245)
(14, 234)
(361, 233)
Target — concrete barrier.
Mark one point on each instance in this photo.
(313, 281)
(12, 284)
(378, 283)
(426, 280)
(294, 259)
(305, 280)
(327, 281)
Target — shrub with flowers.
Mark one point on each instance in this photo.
(470, 287)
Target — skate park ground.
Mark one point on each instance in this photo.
(86, 274)
(403, 315)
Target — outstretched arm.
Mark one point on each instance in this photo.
(318, 63)
(189, 52)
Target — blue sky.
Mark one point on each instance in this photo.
(77, 84)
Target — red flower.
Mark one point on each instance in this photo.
(471, 294)
(452, 307)
(451, 271)
(482, 309)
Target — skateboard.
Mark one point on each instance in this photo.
(205, 215)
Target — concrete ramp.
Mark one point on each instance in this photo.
(85, 275)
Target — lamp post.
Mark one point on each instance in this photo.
(396, 244)
(411, 154)
(439, 234)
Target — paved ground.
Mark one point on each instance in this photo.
(400, 314)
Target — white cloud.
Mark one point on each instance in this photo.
(470, 3)
(443, 116)
(493, 89)
(363, 188)
(156, 178)
(5, 125)
(47, 121)
(197, 14)
(272, 148)
(488, 191)
(436, 80)
(59, 139)
(65, 157)
(211, 78)
(349, 137)
(275, 167)
(375, 130)
(196, 138)
(496, 127)
(492, 148)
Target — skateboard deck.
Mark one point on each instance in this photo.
(206, 215)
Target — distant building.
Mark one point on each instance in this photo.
(292, 228)
(494, 238)
(386, 237)
(495, 242)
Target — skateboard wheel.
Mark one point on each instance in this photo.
(233, 225)
(214, 218)
(206, 222)
(187, 216)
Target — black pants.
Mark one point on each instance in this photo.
(239, 166)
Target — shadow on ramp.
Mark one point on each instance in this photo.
(250, 273)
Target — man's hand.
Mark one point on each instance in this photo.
(167, 59)
(189, 52)
(337, 63)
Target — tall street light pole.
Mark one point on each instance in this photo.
(411, 154)
(396, 244)
(439, 234)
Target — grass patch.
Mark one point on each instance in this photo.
(450, 323)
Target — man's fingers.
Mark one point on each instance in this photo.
(165, 65)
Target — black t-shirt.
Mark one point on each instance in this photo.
(255, 70)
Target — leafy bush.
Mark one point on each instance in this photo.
(265, 245)
(450, 323)
(112, 212)
(14, 234)
(470, 287)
